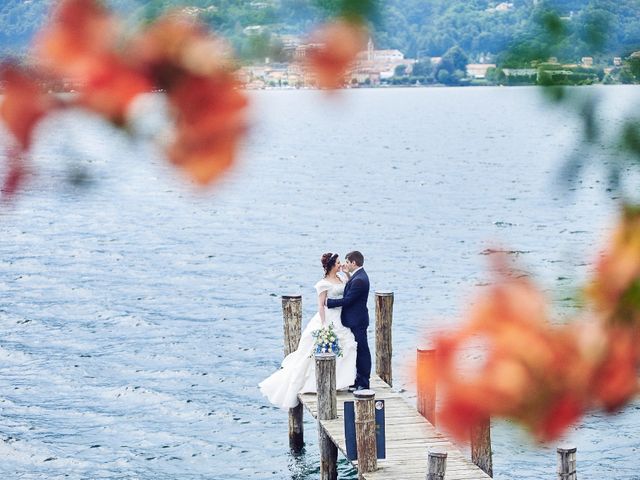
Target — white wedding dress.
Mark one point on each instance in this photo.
(297, 374)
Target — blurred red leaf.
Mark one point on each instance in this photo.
(111, 86)
(615, 379)
(531, 371)
(193, 68)
(174, 46)
(80, 45)
(562, 410)
(16, 173)
(24, 102)
(74, 42)
(337, 44)
(210, 119)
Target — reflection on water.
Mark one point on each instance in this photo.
(138, 316)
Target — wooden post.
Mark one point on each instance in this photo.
(567, 463)
(437, 465)
(481, 446)
(292, 320)
(366, 431)
(384, 318)
(426, 384)
(327, 410)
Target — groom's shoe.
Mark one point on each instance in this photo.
(353, 388)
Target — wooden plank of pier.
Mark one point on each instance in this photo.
(409, 437)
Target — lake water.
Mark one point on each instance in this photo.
(137, 316)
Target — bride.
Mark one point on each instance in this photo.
(297, 374)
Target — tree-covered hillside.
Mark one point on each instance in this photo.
(419, 28)
(431, 27)
(20, 19)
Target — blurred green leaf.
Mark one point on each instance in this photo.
(353, 10)
(630, 137)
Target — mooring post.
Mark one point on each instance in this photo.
(426, 384)
(366, 431)
(567, 463)
(384, 348)
(292, 316)
(327, 410)
(481, 446)
(437, 465)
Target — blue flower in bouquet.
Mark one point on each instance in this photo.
(326, 341)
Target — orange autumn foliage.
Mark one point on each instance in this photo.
(542, 375)
(173, 55)
(530, 373)
(207, 104)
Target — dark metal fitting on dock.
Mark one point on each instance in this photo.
(364, 394)
(325, 356)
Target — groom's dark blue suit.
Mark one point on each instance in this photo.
(355, 316)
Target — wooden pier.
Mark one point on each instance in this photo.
(409, 438)
(414, 448)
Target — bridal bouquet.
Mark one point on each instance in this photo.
(326, 341)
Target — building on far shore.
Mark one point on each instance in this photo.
(274, 75)
(373, 65)
(479, 70)
(501, 7)
(587, 62)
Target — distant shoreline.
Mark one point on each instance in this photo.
(382, 87)
(404, 87)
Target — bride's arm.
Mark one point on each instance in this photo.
(321, 301)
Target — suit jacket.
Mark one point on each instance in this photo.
(354, 301)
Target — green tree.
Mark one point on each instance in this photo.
(455, 59)
(444, 76)
(400, 71)
(634, 66)
(454, 62)
(495, 76)
(423, 68)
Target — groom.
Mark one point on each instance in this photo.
(355, 315)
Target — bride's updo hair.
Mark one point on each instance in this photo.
(328, 261)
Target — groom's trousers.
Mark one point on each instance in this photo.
(363, 358)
